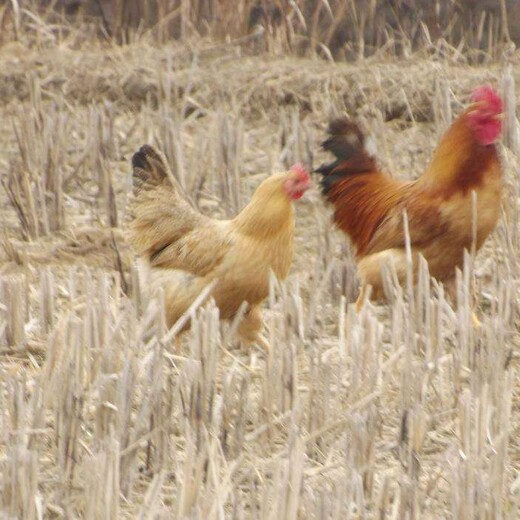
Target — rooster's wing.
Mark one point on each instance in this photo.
(425, 222)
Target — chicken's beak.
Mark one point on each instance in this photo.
(300, 176)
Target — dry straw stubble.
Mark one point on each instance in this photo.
(406, 411)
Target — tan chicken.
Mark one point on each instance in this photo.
(186, 251)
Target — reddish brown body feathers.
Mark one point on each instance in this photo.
(361, 204)
(369, 205)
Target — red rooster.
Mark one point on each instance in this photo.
(369, 205)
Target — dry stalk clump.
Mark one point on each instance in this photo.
(35, 184)
(13, 311)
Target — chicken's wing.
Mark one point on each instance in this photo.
(165, 227)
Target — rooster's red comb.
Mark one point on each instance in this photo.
(488, 95)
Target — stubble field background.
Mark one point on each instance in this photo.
(407, 411)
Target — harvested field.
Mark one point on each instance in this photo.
(406, 411)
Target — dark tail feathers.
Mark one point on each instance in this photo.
(149, 167)
(347, 143)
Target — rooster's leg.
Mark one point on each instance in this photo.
(474, 318)
(451, 290)
(474, 303)
(361, 298)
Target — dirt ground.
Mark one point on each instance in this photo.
(408, 411)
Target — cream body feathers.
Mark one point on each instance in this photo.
(184, 251)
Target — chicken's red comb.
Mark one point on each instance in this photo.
(488, 95)
(300, 170)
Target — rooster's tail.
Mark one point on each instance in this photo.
(346, 142)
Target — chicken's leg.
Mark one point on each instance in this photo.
(250, 327)
(178, 344)
(261, 341)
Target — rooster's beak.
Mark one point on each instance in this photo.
(475, 106)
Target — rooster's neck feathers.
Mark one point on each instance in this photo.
(459, 161)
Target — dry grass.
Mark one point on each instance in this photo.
(407, 411)
(480, 30)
